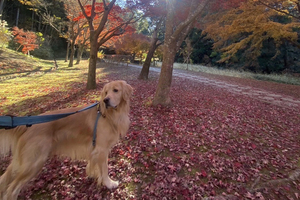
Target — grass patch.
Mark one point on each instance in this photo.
(279, 78)
(14, 63)
(284, 78)
(38, 81)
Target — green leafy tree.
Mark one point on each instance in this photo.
(201, 48)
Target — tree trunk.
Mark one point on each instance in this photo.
(32, 20)
(165, 79)
(132, 57)
(79, 54)
(17, 18)
(145, 70)
(1, 8)
(46, 29)
(174, 35)
(40, 23)
(91, 83)
(94, 34)
(72, 54)
(68, 49)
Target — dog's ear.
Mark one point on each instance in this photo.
(127, 91)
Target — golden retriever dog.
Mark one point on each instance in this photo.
(71, 136)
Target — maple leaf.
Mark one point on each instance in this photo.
(172, 168)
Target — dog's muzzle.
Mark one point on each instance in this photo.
(107, 103)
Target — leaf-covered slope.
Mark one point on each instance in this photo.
(209, 143)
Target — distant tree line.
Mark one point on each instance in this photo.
(273, 49)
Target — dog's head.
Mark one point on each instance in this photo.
(114, 95)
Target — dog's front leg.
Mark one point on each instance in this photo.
(92, 169)
(103, 166)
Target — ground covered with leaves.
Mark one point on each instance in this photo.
(209, 144)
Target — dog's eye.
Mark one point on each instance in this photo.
(105, 93)
(115, 90)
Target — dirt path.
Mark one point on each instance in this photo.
(252, 92)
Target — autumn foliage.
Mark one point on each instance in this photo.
(250, 27)
(225, 4)
(133, 44)
(115, 18)
(26, 39)
(105, 21)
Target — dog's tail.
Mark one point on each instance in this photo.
(9, 139)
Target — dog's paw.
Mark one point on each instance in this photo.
(99, 181)
(110, 184)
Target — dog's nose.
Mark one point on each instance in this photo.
(106, 100)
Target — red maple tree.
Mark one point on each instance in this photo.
(113, 21)
(27, 39)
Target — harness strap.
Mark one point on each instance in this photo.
(95, 128)
(12, 122)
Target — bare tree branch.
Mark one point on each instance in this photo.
(281, 11)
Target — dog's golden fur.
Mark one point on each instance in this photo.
(71, 136)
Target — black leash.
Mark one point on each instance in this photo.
(12, 122)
